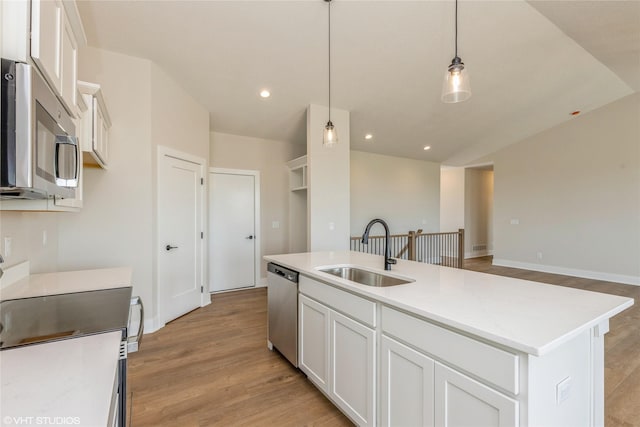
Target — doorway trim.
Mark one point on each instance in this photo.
(256, 218)
(200, 161)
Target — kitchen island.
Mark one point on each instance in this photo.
(452, 347)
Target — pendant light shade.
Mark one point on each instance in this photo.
(456, 86)
(330, 134)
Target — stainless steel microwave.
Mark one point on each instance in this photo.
(39, 152)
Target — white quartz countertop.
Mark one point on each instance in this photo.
(66, 282)
(527, 316)
(68, 382)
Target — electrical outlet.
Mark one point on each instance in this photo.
(44, 238)
(332, 226)
(275, 224)
(515, 221)
(539, 255)
(8, 247)
(563, 390)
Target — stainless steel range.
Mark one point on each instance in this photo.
(37, 320)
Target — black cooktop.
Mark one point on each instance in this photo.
(48, 318)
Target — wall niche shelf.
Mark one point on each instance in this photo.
(298, 224)
(298, 174)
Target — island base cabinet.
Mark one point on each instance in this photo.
(353, 368)
(462, 401)
(313, 353)
(406, 386)
(338, 355)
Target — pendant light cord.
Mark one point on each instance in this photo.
(329, 1)
(456, 36)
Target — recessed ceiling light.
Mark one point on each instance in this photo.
(427, 147)
(368, 136)
(264, 93)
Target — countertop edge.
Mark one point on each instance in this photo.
(452, 323)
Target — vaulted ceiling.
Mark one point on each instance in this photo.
(531, 63)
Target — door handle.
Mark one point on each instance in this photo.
(250, 237)
(169, 247)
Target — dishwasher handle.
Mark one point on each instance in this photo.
(285, 273)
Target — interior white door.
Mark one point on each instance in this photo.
(180, 225)
(232, 240)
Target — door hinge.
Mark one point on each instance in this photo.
(202, 234)
(201, 181)
(201, 289)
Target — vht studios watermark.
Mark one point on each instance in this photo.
(40, 421)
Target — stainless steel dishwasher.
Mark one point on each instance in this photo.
(282, 296)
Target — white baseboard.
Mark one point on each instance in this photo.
(151, 325)
(206, 299)
(587, 274)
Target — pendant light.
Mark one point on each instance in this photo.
(330, 134)
(456, 87)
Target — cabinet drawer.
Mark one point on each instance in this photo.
(492, 364)
(345, 302)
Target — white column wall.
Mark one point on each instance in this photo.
(328, 181)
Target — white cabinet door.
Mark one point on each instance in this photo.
(94, 136)
(46, 33)
(353, 375)
(461, 401)
(313, 341)
(407, 382)
(100, 142)
(69, 64)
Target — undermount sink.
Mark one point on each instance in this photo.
(365, 277)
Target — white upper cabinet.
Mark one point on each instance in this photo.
(94, 136)
(55, 31)
(46, 38)
(69, 66)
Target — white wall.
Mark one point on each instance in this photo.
(328, 181)
(268, 157)
(575, 190)
(178, 120)
(116, 226)
(478, 212)
(403, 192)
(451, 198)
(26, 232)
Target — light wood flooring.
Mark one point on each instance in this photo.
(212, 367)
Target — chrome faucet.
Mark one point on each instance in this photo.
(365, 240)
